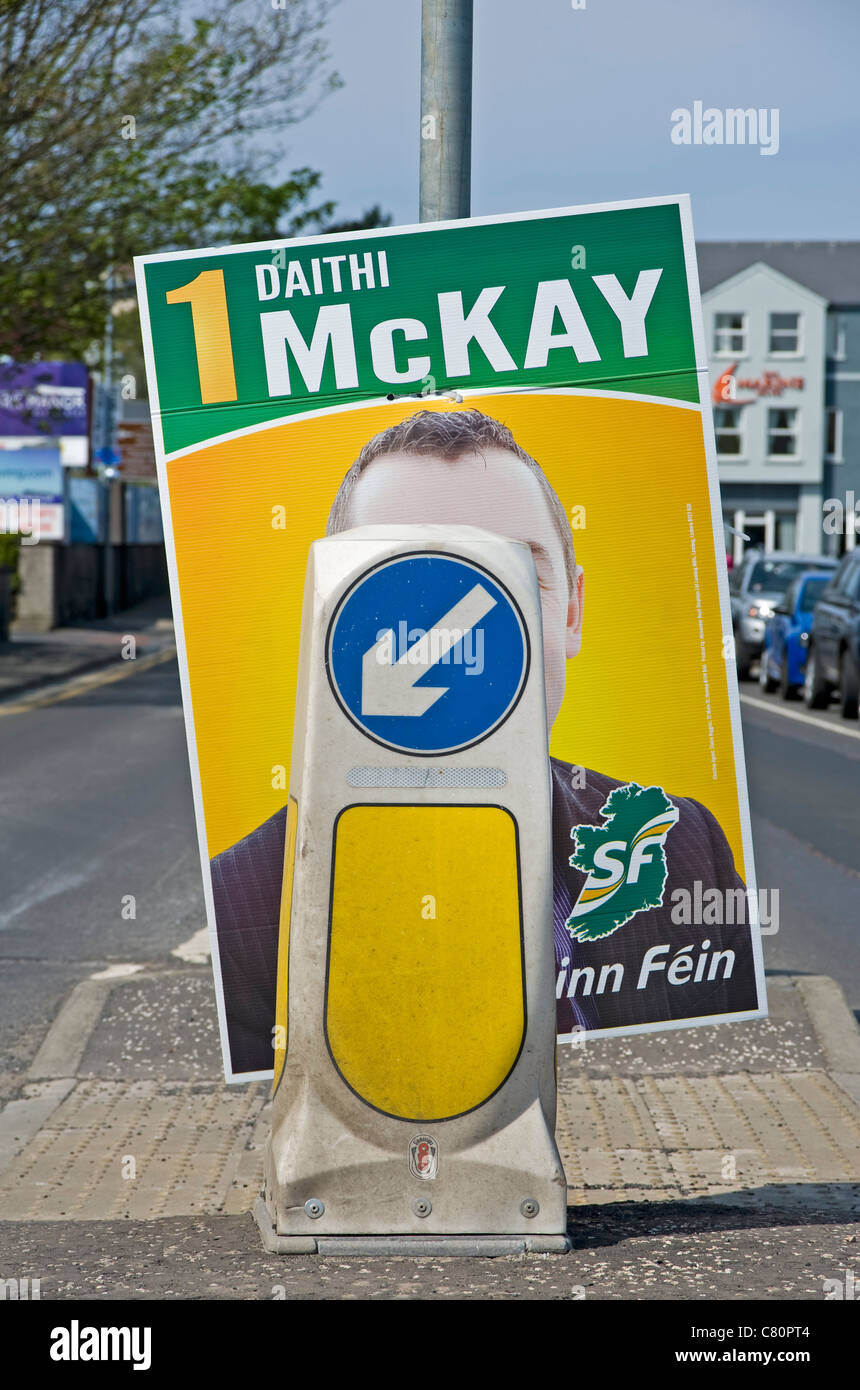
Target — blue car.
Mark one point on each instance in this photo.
(786, 639)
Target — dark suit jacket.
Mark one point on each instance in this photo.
(246, 882)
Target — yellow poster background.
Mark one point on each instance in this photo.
(641, 695)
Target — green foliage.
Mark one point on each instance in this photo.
(132, 126)
(374, 217)
(9, 546)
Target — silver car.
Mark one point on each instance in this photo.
(756, 586)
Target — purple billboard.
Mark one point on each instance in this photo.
(39, 399)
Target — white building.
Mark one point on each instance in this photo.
(773, 312)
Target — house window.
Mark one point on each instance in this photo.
(782, 432)
(784, 337)
(727, 427)
(836, 337)
(730, 335)
(833, 435)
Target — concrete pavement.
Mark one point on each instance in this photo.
(713, 1162)
(31, 662)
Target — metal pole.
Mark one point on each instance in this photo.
(107, 423)
(446, 110)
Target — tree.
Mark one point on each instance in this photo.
(129, 126)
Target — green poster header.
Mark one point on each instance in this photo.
(248, 334)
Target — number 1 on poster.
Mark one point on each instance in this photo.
(208, 299)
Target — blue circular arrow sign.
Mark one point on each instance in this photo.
(427, 653)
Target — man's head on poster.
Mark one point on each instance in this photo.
(455, 467)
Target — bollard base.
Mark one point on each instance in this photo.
(458, 1246)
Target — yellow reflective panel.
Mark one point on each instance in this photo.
(280, 1039)
(425, 1010)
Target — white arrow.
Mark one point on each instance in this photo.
(388, 687)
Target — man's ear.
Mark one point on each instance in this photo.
(573, 631)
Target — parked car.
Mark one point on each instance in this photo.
(756, 586)
(786, 638)
(833, 660)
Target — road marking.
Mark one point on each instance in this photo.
(79, 685)
(52, 885)
(196, 950)
(117, 972)
(801, 718)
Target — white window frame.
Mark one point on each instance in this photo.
(782, 458)
(744, 330)
(739, 457)
(776, 352)
(835, 337)
(837, 456)
(738, 537)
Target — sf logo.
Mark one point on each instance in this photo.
(423, 1156)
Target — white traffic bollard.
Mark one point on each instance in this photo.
(414, 1092)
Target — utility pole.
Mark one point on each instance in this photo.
(446, 110)
(108, 422)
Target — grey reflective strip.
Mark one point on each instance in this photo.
(426, 777)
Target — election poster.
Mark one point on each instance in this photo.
(541, 376)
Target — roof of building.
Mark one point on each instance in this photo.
(830, 268)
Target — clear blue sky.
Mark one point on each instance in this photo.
(574, 107)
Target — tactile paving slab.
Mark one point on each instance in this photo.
(151, 1148)
(140, 1149)
(663, 1137)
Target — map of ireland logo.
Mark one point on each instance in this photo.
(624, 860)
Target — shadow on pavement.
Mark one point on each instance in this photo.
(760, 1208)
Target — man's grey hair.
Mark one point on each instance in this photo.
(451, 435)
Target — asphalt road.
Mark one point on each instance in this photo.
(97, 811)
(803, 773)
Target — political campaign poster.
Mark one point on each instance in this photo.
(542, 376)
